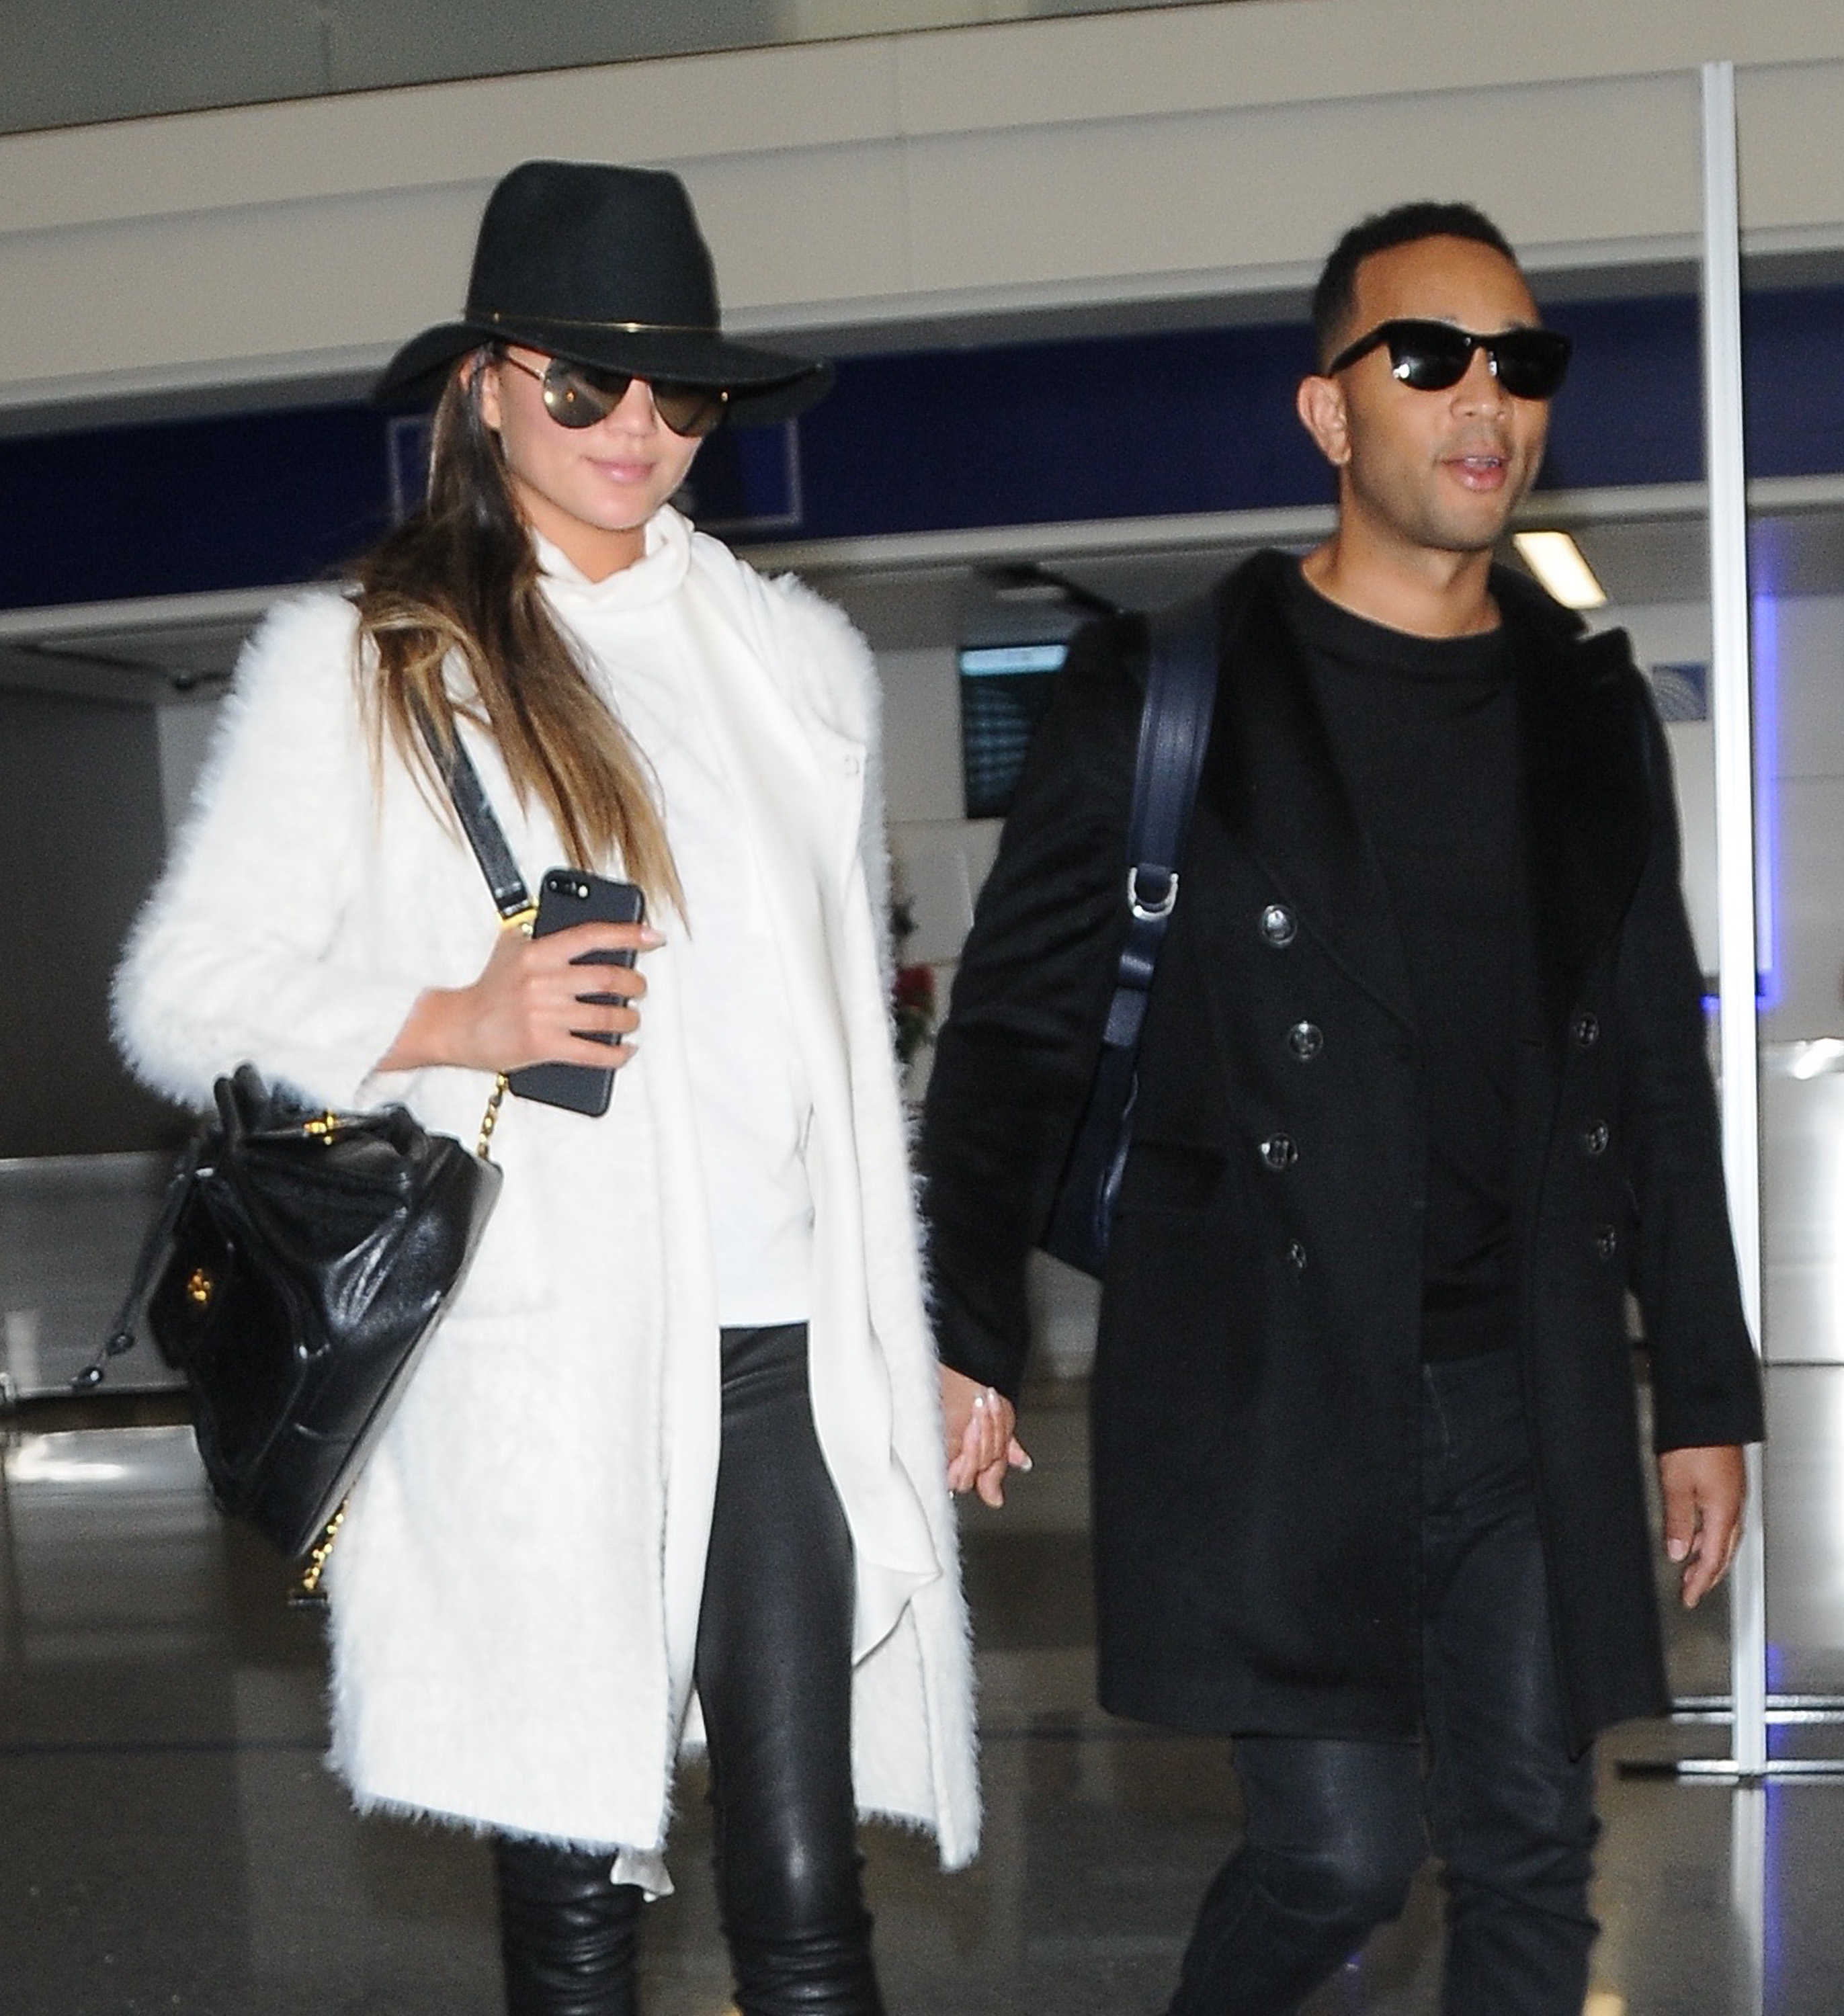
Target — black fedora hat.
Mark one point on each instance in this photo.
(602, 265)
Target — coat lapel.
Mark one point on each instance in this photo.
(800, 787)
(1586, 802)
(1272, 779)
(794, 803)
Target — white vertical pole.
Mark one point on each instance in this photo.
(1747, 1885)
(1732, 715)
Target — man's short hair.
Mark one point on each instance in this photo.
(1408, 224)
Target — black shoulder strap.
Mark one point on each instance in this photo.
(485, 835)
(1174, 729)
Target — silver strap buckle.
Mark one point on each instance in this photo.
(1161, 905)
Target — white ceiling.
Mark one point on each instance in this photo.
(79, 61)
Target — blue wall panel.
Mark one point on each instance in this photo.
(1019, 434)
(1792, 369)
(187, 506)
(1632, 410)
(1033, 432)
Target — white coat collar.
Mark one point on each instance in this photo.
(660, 571)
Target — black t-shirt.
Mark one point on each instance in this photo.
(1425, 731)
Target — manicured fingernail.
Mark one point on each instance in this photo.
(649, 936)
(1024, 1463)
(979, 1401)
(1676, 1550)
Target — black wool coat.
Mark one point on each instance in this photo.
(1256, 1392)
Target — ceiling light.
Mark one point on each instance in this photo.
(1557, 561)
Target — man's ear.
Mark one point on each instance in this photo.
(1320, 404)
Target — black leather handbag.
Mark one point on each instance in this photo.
(1174, 729)
(302, 1264)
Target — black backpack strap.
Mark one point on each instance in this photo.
(1174, 729)
(485, 833)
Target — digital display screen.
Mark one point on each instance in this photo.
(1004, 690)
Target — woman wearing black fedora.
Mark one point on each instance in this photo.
(672, 1471)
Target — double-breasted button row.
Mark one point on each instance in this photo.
(1595, 1137)
(1305, 1040)
(1280, 1151)
(1585, 1029)
(1607, 1242)
(1279, 927)
(1296, 1256)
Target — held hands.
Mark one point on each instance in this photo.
(527, 1006)
(1704, 1490)
(979, 1424)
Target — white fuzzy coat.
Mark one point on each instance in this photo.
(515, 1591)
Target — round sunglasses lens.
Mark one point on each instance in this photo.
(693, 411)
(573, 401)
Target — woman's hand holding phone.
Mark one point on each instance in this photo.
(527, 1006)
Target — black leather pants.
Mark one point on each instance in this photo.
(774, 1676)
(1336, 1829)
(565, 1932)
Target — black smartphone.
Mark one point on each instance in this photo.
(569, 896)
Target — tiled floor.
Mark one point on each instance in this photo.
(169, 1841)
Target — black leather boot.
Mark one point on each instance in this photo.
(565, 1932)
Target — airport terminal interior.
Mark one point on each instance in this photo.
(998, 463)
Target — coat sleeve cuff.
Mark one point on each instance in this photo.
(1707, 1421)
(356, 1027)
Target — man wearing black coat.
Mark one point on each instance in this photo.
(1422, 1094)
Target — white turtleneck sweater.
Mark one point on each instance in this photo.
(752, 1106)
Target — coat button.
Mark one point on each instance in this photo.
(1279, 1151)
(1305, 1040)
(1586, 1029)
(1296, 1256)
(1595, 1139)
(1607, 1242)
(1279, 926)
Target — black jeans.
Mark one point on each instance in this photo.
(1336, 1830)
(774, 1677)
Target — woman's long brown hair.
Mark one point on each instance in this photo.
(458, 580)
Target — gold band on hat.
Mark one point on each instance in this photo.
(622, 328)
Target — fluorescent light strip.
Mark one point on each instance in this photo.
(1557, 561)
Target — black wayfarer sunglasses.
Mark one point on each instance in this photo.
(578, 395)
(1430, 356)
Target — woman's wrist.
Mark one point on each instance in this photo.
(430, 1031)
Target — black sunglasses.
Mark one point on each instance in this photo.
(1430, 356)
(578, 395)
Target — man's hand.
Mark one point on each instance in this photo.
(977, 1422)
(1704, 1490)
